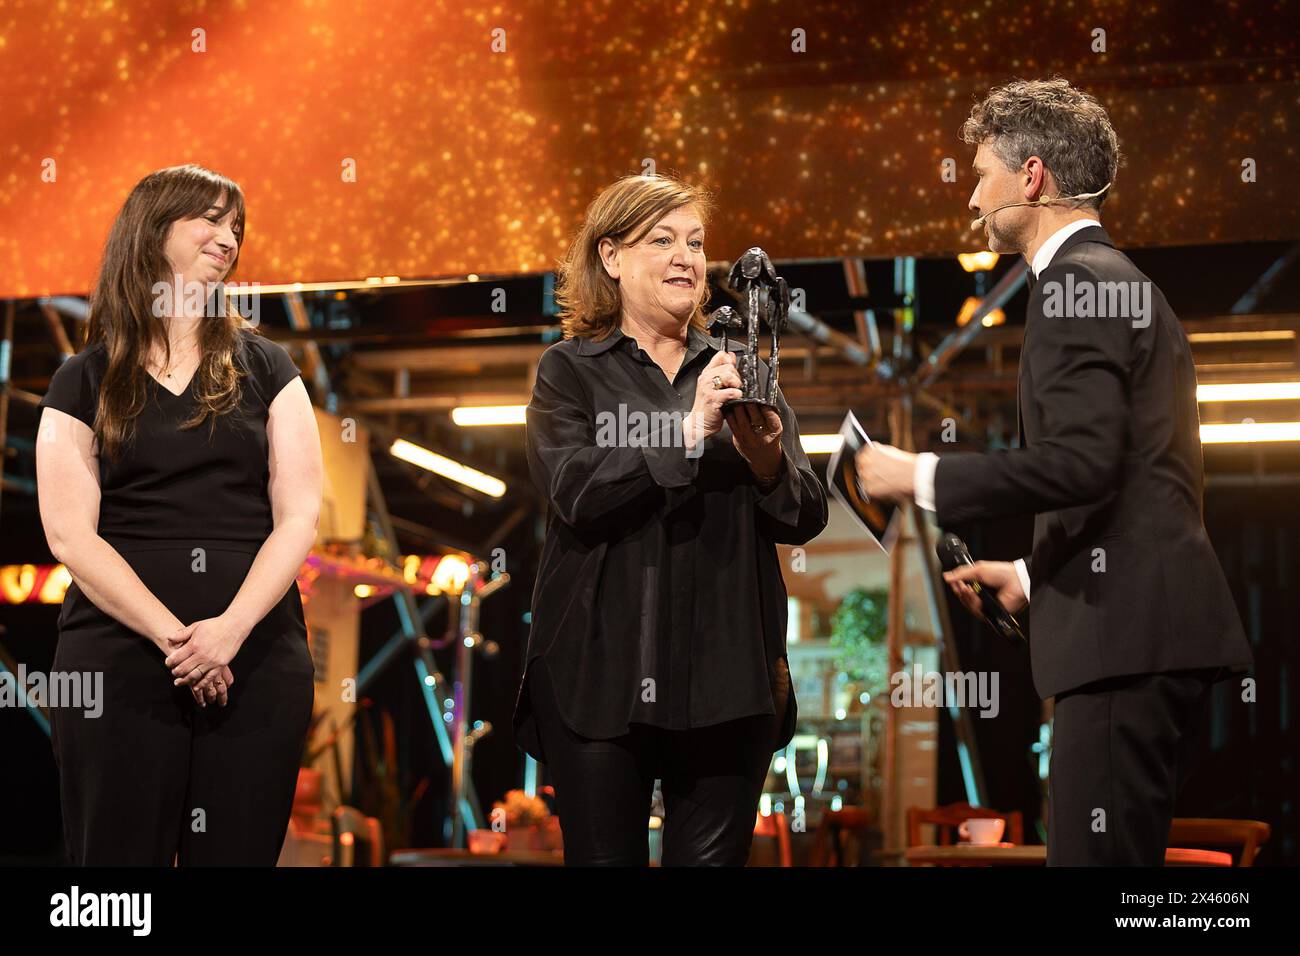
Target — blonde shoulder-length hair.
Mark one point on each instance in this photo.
(588, 298)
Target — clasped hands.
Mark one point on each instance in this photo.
(755, 429)
(199, 656)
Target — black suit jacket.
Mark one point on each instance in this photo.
(1123, 579)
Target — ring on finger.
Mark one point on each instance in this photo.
(717, 382)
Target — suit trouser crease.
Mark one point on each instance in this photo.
(1121, 750)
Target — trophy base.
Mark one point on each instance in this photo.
(761, 403)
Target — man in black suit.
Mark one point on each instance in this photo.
(1131, 619)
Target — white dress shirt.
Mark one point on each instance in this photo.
(927, 462)
(1047, 251)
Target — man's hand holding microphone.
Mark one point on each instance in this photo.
(888, 474)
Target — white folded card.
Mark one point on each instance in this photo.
(881, 520)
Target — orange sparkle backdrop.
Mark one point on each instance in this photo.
(470, 160)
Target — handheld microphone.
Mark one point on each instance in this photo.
(1044, 201)
(952, 551)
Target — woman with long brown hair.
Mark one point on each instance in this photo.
(179, 475)
(657, 648)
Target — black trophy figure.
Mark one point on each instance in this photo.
(722, 321)
(777, 317)
(768, 301)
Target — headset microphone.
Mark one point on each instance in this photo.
(1044, 201)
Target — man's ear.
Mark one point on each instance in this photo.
(609, 257)
(1035, 178)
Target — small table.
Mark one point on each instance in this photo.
(969, 854)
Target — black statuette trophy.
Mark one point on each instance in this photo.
(767, 300)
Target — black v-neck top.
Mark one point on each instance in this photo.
(659, 597)
(169, 483)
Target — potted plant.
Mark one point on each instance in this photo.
(859, 631)
(530, 825)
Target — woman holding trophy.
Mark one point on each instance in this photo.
(672, 471)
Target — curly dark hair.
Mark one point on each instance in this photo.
(1064, 127)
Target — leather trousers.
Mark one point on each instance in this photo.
(712, 778)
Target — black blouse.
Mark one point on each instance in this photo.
(193, 484)
(659, 598)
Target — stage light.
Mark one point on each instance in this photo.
(1273, 335)
(441, 465)
(266, 288)
(977, 261)
(451, 574)
(363, 591)
(821, 444)
(17, 581)
(56, 585)
(996, 317)
(471, 415)
(1248, 392)
(1248, 431)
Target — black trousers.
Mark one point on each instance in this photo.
(1121, 750)
(712, 778)
(155, 779)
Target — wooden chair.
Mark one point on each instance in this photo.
(945, 821)
(1244, 837)
(1179, 856)
(836, 829)
(773, 827)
